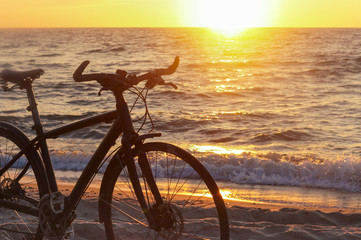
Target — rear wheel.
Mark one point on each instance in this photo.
(191, 207)
(20, 191)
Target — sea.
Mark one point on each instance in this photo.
(267, 107)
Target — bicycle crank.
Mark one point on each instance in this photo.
(50, 208)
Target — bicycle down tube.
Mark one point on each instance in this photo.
(121, 125)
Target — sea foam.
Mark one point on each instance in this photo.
(268, 169)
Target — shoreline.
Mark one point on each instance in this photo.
(248, 220)
(269, 197)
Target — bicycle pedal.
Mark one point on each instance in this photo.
(69, 233)
(57, 202)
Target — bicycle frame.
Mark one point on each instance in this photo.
(122, 124)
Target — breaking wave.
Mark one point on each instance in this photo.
(267, 169)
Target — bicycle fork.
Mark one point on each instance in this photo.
(152, 216)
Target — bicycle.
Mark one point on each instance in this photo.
(145, 185)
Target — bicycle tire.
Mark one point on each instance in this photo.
(23, 221)
(185, 186)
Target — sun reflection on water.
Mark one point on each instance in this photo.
(231, 66)
(216, 149)
(226, 195)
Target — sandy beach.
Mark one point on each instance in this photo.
(289, 223)
(251, 223)
(254, 212)
(248, 220)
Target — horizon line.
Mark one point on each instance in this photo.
(284, 27)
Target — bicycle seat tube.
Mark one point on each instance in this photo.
(27, 84)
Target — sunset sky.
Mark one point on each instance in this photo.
(180, 13)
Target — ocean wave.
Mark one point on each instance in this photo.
(53, 65)
(195, 65)
(318, 72)
(104, 50)
(16, 114)
(79, 102)
(98, 50)
(288, 135)
(60, 85)
(358, 59)
(88, 133)
(180, 125)
(223, 140)
(233, 64)
(352, 86)
(228, 93)
(50, 55)
(342, 173)
(262, 115)
(172, 93)
(215, 131)
(250, 168)
(56, 117)
(151, 45)
(117, 49)
(6, 65)
(11, 112)
(203, 95)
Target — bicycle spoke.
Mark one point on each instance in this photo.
(128, 215)
(123, 192)
(22, 220)
(173, 194)
(190, 196)
(171, 176)
(134, 206)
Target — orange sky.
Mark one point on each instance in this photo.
(180, 13)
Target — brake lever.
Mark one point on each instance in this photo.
(161, 81)
(170, 84)
(151, 83)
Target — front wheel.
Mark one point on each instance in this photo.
(191, 206)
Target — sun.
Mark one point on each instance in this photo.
(231, 16)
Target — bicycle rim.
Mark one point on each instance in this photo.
(192, 205)
(24, 192)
